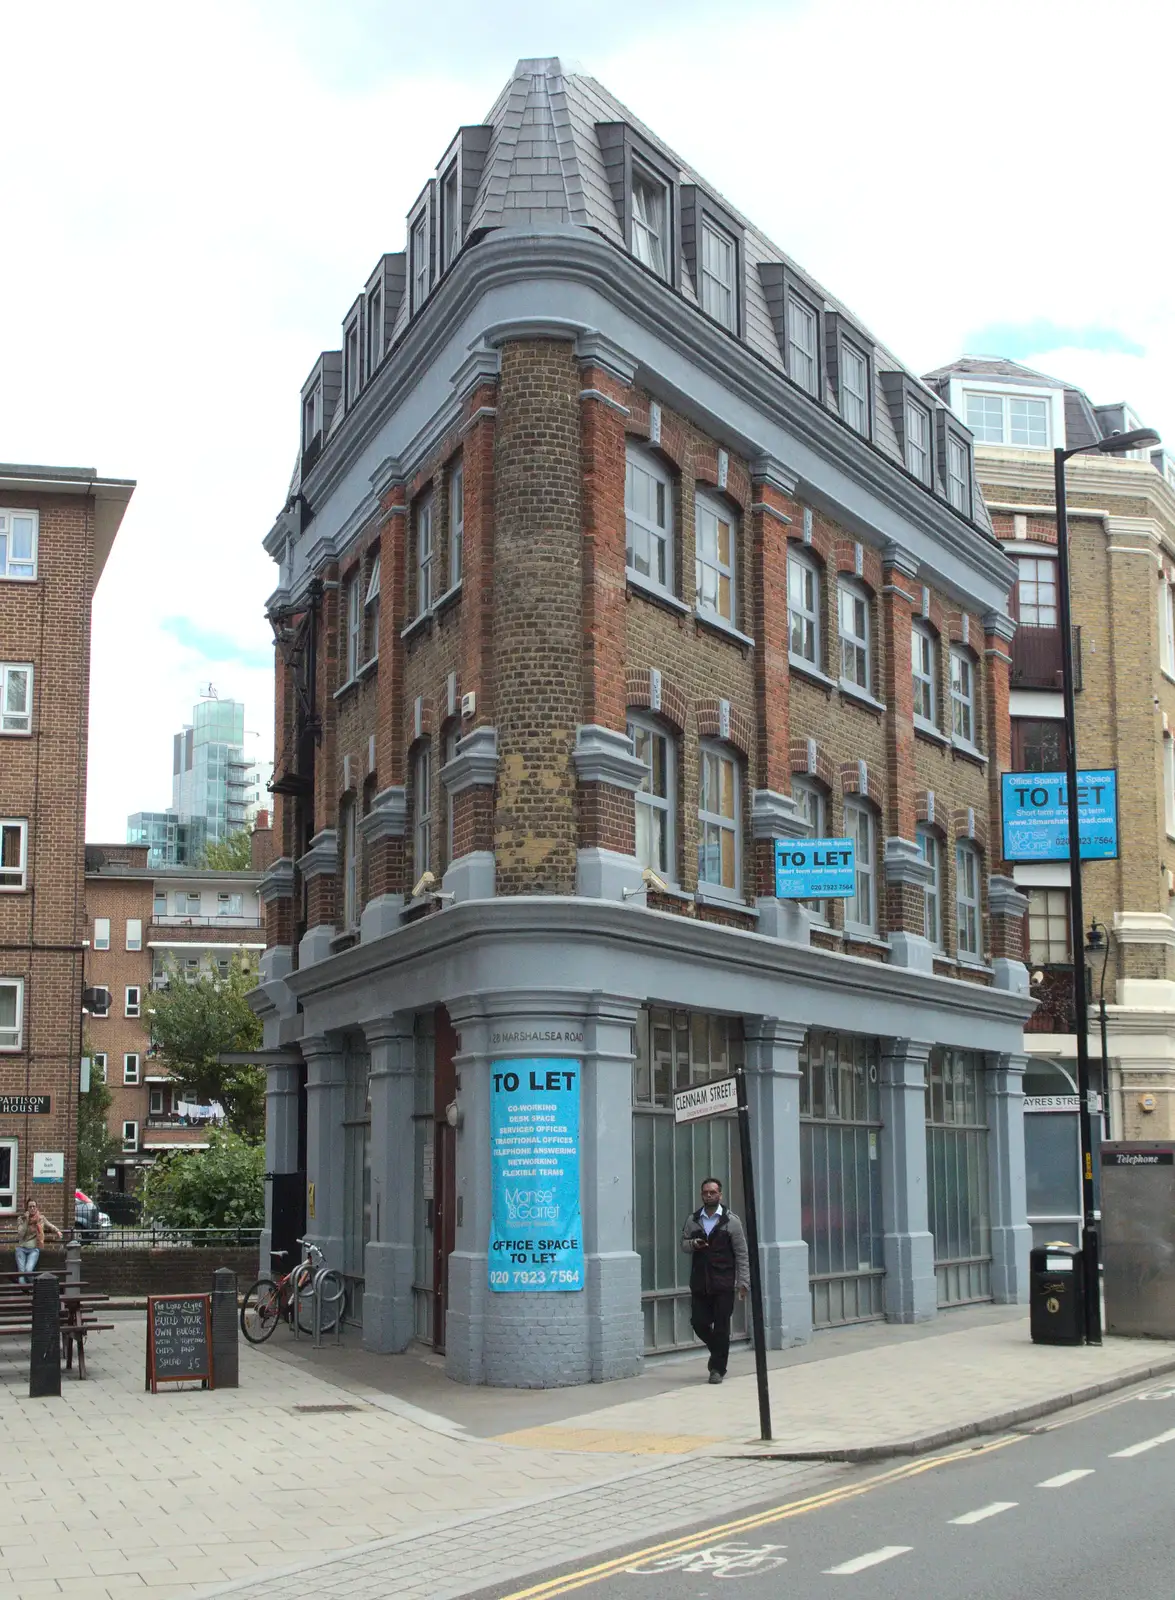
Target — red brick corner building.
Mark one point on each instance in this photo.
(617, 552)
(57, 527)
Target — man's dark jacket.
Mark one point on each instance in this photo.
(725, 1263)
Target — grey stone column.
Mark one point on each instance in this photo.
(1011, 1237)
(773, 1094)
(325, 1101)
(388, 1259)
(281, 1139)
(911, 1292)
(545, 1340)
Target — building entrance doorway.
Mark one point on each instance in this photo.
(957, 1175)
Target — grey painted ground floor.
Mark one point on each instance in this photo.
(886, 1113)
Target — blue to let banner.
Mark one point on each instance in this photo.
(814, 869)
(536, 1242)
(1036, 815)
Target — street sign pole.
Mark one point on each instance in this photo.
(757, 1326)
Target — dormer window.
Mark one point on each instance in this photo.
(450, 217)
(1007, 419)
(418, 257)
(352, 361)
(650, 221)
(958, 474)
(375, 327)
(803, 334)
(918, 440)
(719, 266)
(854, 387)
(311, 417)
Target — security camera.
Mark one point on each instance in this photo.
(651, 881)
(1037, 977)
(424, 884)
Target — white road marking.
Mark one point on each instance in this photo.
(859, 1563)
(984, 1512)
(1064, 1478)
(1147, 1444)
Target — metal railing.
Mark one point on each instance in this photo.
(157, 1236)
(1036, 658)
(223, 919)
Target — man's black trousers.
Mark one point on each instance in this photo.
(710, 1315)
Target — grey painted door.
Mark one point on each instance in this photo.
(957, 1175)
(840, 1176)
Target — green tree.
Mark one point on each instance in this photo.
(221, 1187)
(229, 855)
(193, 1022)
(97, 1149)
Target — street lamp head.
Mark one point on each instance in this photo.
(1095, 938)
(1136, 439)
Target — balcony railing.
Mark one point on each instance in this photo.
(223, 920)
(1036, 658)
(172, 1120)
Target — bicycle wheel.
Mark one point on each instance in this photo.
(260, 1310)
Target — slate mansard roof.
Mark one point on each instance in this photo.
(546, 156)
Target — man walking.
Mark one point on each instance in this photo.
(720, 1267)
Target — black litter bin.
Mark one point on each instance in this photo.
(1055, 1295)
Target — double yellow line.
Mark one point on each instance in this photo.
(793, 1508)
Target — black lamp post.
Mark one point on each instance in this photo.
(1097, 939)
(1114, 445)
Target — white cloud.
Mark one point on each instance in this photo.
(201, 192)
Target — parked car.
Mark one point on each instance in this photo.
(89, 1221)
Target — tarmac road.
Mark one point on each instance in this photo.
(1077, 1506)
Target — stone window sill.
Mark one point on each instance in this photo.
(449, 598)
(724, 901)
(974, 964)
(639, 584)
(968, 751)
(852, 936)
(719, 625)
(345, 689)
(417, 624)
(369, 667)
(853, 691)
(806, 670)
(932, 735)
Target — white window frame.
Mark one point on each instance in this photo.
(11, 1038)
(963, 722)
(14, 878)
(958, 474)
(715, 751)
(418, 262)
(132, 1068)
(707, 506)
(812, 799)
(425, 555)
(353, 360)
(1045, 913)
(374, 326)
(1167, 626)
(968, 901)
(130, 1141)
(312, 416)
(924, 669)
(354, 627)
(14, 723)
(1052, 401)
(801, 614)
(134, 933)
(456, 523)
(422, 808)
(856, 648)
(854, 403)
(350, 867)
(719, 289)
(641, 527)
(101, 933)
(1038, 561)
(803, 364)
(650, 221)
(861, 827)
(931, 847)
(155, 1103)
(9, 563)
(917, 429)
(98, 1059)
(10, 1192)
(371, 606)
(132, 1001)
(1169, 784)
(647, 800)
(449, 753)
(450, 200)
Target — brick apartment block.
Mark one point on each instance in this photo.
(146, 927)
(1122, 543)
(618, 546)
(57, 526)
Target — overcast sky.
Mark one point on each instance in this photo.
(193, 196)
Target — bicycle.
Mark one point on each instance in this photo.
(272, 1300)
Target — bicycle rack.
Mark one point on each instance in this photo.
(322, 1295)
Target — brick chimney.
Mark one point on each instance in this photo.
(261, 843)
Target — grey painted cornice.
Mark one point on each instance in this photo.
(480, 366)
(277, 882)
(905, 863)
(895, 555)
(475, 765)
(765, 469)
(776, 816)
(602, 755)
(322, 858)
(1005, 898)
(544, 919)
(388, 817)
(601, 351)
(555, 254)
(999, 625)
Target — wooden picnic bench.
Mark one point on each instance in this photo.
(76, 1322)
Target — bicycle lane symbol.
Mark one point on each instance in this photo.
(718, 1560)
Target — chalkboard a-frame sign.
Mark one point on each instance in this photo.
(179, 1340)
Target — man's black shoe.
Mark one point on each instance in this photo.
(716, 1377)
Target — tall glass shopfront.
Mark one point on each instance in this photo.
(957, 1175)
